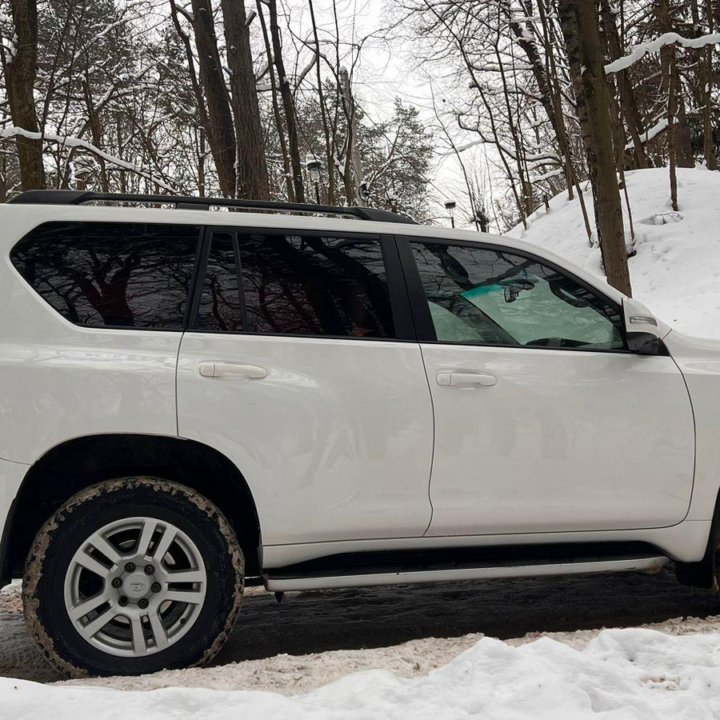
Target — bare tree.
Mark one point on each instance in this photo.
(579, 22)
(288, 102)
(19, 64)
(220, 129)
(251, 169)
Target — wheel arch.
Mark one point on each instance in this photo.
(75, 464)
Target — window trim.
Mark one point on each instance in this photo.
(397, 289)
(421, 311)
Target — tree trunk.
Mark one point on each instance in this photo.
(552, 104)
(288, 103)
(96, 131)
(251, 170)
(683, 145)
(628, 102)
(579, 23)
(329, 162)
(220, 130)
(202, 116)
(277, 115)
(20, 71)
(554, 96)
(706, 77)
(353, 144)
(672, 150)
(670, 85)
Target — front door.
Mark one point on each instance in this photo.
(544, 421)
(295, 369)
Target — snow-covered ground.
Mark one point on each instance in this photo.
(620, 674)
(676, 271)
(527, 648)
(385, 650)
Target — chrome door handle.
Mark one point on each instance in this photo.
(458, 379)
(222, 369)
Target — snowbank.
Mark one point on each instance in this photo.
(676, 271)
(625, 673)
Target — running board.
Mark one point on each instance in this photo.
(316, 582)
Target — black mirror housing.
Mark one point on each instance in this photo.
(643, 343)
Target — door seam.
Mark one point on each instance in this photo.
(432, 457)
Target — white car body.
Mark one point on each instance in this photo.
(364, 446)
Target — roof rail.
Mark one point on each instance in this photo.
(188, 202)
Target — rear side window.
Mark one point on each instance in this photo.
(118, 275)
(295, 285)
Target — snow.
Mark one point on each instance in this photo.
(546, 176)
(676, 271)
(625, 673)
(650, 133)
(669, 38)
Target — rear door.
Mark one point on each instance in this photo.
(301, 367)
(544, 421)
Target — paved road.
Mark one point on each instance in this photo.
(314, 622)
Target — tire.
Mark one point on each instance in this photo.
(132, 576)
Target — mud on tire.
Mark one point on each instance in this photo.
(131, 576)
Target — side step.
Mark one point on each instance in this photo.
(449, 565)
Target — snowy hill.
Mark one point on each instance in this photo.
(676, 271)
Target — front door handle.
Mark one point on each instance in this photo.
(222, 369)
(446, 378)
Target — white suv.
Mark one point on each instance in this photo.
(191, 397)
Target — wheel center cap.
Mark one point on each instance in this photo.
(136, 585)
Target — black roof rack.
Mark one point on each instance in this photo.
(188, 202)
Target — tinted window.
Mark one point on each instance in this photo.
(296, 285)
(489, 297)
(111, 274)
(220, 308)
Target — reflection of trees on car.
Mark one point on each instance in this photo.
(113, 274)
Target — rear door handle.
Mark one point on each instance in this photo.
(222, 369)
(447, 378)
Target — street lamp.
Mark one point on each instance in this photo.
(365, 191)
(450, 207)
(482, 219)
(313, 168)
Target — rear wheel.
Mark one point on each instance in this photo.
(132, 576)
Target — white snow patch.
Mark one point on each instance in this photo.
(676, 271)
(634, 673)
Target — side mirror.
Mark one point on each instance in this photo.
(642, 330)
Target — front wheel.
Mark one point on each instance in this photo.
(132, 576)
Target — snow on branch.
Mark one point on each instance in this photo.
(546, 176)
(12, 131)
(650, 133)
(641, 50)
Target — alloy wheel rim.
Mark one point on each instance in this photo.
(135, 587)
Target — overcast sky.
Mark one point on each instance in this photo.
(390, 65)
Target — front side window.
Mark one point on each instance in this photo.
(492, 297)
(122, 275)
(295, 285)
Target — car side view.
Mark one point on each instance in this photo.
(196, 394)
